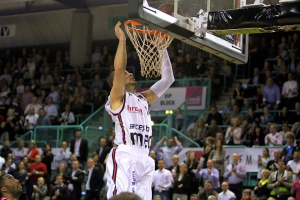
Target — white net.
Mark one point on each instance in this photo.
(150, 46)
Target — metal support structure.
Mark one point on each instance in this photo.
(28, 5)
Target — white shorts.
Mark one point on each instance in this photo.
(129, 171)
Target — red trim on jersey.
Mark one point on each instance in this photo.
(114, 175)
(124, 101)
(122, 127)
(4, 198)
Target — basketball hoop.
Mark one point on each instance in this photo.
(150, 46)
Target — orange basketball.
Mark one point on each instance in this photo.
(168, 8)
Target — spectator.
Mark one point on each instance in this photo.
(214, 115)
(296, 116)
(21, 176)
(19, 152)
(47, 158)
(43, 120)
(103, 150)
(182, 181)
(285, 132)
(40, 190)
(262, 162)
(215, 85)
(10, 124)
(37, 169)
(74, 178)
(210, 173)
(238, 93)
(169, 150)
(273, 138)
(96, 83)
(293, 166)
(271, 95)
(226, 194)
(290, 147)
(178, 120)
(258, 138)
(31, 119)
(267, 117)
(192, 163)
(5, 149)
(53, 94)
(130, 196)
(32, 151)
(247, 194)
(246, 105)
(248, 133)
(193, 197)
(51, 110)
(94, 181)
(67, 117)
(209, 146)
(197, 132)
(96, 98)
(213, 130)
(162, 181)
(233, 133)
(272, 165)
(290, 91)
(207, 191)
(292, 63)
(79, 147)
(60, 191)
(7, 168)
(284, 116)
(175, 168)
(46, 79)
(258, 78)
(280, 182)
(218, 157)
(26, 97)
(236, 173)
(153, 155)
(20, 88)
(96, 55)
(261, 189)
(6, 77)
(236, 114)
(63, 155)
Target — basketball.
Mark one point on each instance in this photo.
(168, 8)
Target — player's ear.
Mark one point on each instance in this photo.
(3, 189)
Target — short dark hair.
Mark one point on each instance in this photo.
(110, 79)
(127, 196)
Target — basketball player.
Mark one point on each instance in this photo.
(129, 168)
(10, 187)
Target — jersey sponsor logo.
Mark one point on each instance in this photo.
(134, 109)
(140, 139)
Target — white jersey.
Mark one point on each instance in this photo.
(132, 121)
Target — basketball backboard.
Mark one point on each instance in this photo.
(188, 24)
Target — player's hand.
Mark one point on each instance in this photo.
(164, 138)
(176, 139)
(119, 32)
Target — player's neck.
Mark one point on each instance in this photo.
(129, 88)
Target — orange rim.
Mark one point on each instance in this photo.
(152, 32)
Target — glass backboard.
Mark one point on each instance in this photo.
(187, 23)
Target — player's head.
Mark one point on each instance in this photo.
(10, 187)
(129, 79)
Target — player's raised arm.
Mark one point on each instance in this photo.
(118, 87)
(167, 78)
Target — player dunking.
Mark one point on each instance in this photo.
(129, 168)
